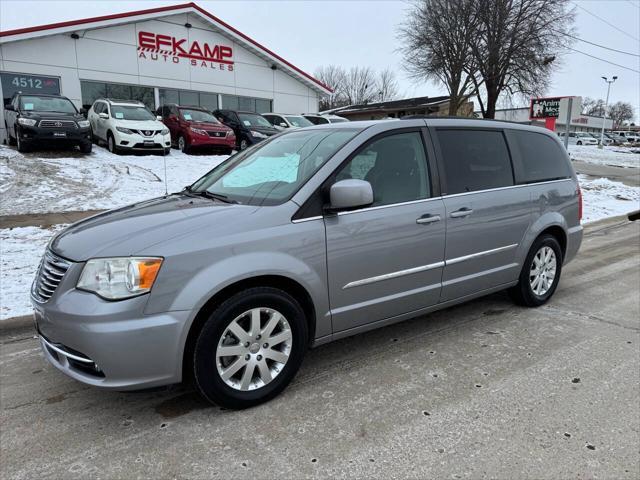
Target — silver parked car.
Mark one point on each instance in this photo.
(310, 236)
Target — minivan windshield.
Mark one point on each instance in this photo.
(131, 112)
(272, 171)
(254, 120)
(46, 104)
(192, 115)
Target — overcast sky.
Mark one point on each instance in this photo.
(312, 33)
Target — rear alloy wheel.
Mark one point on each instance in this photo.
(243, 144)
(250, 348)
(540, 274)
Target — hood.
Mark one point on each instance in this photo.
(128, 230)
(141, 124)
(52, 115)
(214, 127)
(266, 130)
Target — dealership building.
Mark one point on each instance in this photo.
(177, 54)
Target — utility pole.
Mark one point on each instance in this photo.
(606, 103)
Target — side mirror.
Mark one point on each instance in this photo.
(103, 115)
(349, 194)
(9, 107)
(284, 125)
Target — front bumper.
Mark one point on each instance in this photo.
(199, 140)
(109, 344)
(137, 142)
(70, 135)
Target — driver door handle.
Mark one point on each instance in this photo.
(463, 212)
(428, 218)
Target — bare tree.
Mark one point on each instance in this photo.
(437, 38)
(359, 86)
(592, 106)
(621, 113)
(333, 77)
(386, 85)
(516, 45)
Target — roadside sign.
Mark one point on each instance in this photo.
(544, 108)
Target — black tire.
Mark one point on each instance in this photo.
(183, 145)
(22, 146)
(578, 143)
(86, 147)
(111, 144)
(523, 293)
(167, 151)
(243, 144)
(205, 371)
(10, 140)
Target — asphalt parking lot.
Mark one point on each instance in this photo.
(485, 389)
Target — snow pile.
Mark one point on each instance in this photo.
(604, 198)
(613, 156)
(20, 252)
(43, 182)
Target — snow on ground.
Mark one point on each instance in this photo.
(613, 156)
(41, 182)
(20, 253)
(604, 198)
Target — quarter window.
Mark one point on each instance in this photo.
(395, 166)
(475, 160)
(542, 158)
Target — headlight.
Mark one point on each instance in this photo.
(118, 278)
(28, 122)
(164, 131)
(124, 130)
(83, 123)
(198, 131)
(258, 134)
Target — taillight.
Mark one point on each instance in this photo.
(579, 203)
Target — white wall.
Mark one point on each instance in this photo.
(110, 54)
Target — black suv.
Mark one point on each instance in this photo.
(44, 119)
(249, 127)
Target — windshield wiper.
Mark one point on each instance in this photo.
(208, 194)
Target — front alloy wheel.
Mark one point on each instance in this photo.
(250, 347)
(254, 349)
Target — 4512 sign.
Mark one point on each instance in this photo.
(158, 47)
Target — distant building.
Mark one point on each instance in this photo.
(579, 123)
(437, 106)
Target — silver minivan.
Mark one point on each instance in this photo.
(310, 236)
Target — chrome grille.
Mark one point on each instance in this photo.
(50, 272)
(57, 123)
(217, 134)
(146, 133)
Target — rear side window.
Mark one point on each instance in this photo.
(542, 158)
(475, 160)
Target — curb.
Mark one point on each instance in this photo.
(14, 325)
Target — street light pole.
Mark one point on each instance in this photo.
(606, 103)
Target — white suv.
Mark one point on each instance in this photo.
(127, 126)
(286, 120)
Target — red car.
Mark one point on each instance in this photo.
(195, 127)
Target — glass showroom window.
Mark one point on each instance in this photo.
(247, 104)
(91, 91)
(189, 98)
